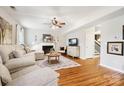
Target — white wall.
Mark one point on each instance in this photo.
(20, 35)
(30, 36)
(86, 41)
(9, 19)
(111, 30)
(80, 34)
(61, 40)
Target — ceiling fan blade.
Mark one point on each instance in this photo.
(13, 7)
(54, 21)
(62, 23)
(59, 26)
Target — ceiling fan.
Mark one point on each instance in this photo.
(56, 23)
(13, 7)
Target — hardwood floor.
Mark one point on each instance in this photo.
(90, 73)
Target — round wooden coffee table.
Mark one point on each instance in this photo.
(53, 58)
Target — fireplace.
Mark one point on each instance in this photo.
(46, 49)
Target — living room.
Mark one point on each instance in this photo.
(58, 43)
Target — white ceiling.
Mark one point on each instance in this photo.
(38, 17)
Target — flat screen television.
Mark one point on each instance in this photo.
(73, 42)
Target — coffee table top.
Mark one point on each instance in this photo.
(53, 54)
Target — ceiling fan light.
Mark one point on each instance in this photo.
(55, 27)
(12, 7)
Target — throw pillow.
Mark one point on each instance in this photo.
(18, 53)
(27, 49)
(4, 74)
(11, 55)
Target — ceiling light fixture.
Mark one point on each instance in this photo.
(57, 24)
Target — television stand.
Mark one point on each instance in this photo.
(73, 51)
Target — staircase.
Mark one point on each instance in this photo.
(97, 48)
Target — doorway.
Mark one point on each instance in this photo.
(97, 41)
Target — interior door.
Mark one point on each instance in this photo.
(89, 48)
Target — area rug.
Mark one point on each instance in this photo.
(64, 63)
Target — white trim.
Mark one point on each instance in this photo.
(39, 46)
(118, 70)
(82, 58)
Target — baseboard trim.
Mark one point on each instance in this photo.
(118, 70)
(82, 58)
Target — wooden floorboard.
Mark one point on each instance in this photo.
(90, 73)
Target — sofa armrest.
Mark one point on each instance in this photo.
(0, 82)
(37, 55)
(33, 50)
(38, 77)
(19, 62)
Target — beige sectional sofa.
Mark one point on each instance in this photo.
(23, 71)
(17, 63)
(24, 59)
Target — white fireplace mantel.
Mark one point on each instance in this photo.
(39, 46)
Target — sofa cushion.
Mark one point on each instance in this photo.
(38, 77)
(24, 71)
(19, 47)
(39, 56)
(1, 62)
(4, 74)
(19, 68)
(31, 54)
(20, 62)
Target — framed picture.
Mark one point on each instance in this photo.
(123, 33)
(115, 48)
(5, 32)
(48, 38)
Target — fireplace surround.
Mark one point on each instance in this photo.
(47, 48)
